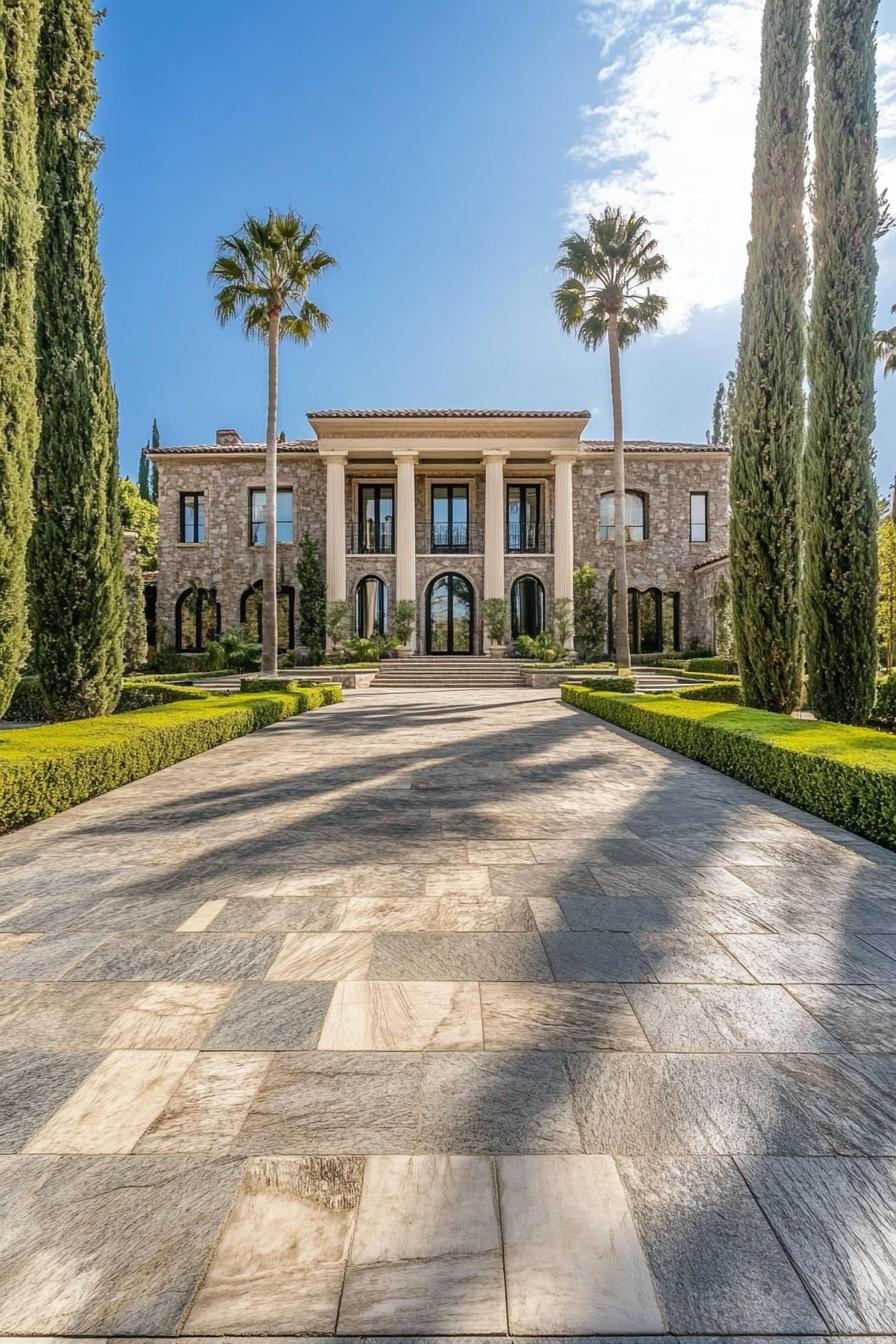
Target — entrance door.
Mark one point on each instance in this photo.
(449, 615)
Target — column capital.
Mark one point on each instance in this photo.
(338, 456)
(405, 454)
(565, 455)
(496, 454)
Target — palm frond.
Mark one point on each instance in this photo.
(267, 266)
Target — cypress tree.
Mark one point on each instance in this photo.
(152, 474)
(143, 471)
(76, 562)
(19, 229)
(768, 412)
(312, 599)
(840, 501)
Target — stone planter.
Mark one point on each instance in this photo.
(497, 650)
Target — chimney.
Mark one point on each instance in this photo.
(228, 437)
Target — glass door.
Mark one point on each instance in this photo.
(450, 518)
(449, 615)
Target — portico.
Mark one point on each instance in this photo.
(486, 497)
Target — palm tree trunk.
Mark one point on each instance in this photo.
(623, 652)
(269, 591)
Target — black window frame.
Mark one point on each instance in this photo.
(524, 530)
(451, 547)
(378, 547)
(257, 590)
(381, 621)
(203, 597)
(704, 495)
(199, 519)
(645, 513)
(281, 490)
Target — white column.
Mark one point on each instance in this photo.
(405, 530)
(563, 534)
(335, 528)
(494, 523)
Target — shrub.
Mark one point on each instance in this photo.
(885, 705)
(726, 665)
(845, 775)
(495, 619)
(540, 648)
(144, 693)
(702, 677)
(625, 685)
(590, 613)
(27, 704)
(404, 619)
(360, 649)
(337, 621)
(313, 694)
(232, 651)
(720, 692)
(45, 770)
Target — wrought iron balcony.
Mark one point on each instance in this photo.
(530, 540)
(367, 539)
(450, 538)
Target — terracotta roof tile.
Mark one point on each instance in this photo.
(478, 414)
(714, 561)
(293, 446)
(653, 446)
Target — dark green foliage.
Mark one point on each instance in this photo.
(625, 685)
(144, 694)
(727, 666)
(134, 635)
(839, 498)
(720, 432)
(846, 775)
(358, 649)
(19, 229)
(768, 410)
(152, 474)
(590, 613)
(723, 692)
(75, 558)
(27, 704)
(144, 475)
(312, 599)
(232, 651)
(45, 770)
(885, 705)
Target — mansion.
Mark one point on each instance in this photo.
(446, 508)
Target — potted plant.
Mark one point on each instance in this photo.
(337, 621)
(404, 622)
(494, 617)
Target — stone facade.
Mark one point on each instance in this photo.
(448, 449)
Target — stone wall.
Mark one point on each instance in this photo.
(226, 561)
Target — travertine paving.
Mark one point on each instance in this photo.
(430, 1016)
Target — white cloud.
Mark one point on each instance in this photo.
(674, 136)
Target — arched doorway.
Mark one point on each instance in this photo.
(371, 607)
(449, 615)
(526, 606)
(251, 614)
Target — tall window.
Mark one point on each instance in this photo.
(523, 508)
(450, 518)
(526, 606)
(192, 515)
(197, 619)
(284, 517)
(699, 515)
(376, 513)
(371, 607)
(635, 516)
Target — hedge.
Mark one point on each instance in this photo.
(45, 770)
(610, 683)
(845, 775)
(329, 693)
(144, 693)
(721, 692)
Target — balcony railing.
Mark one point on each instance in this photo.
(366, 539)
(530, 540)
(450, 537)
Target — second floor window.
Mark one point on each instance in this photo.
(192, 516)
(450, 518)
(635, 516)
(284, 517)
(699, 516)
(523, 508)
(376, 512)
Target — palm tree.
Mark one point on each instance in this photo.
(885, 347)
(607, 295)
(263, 272)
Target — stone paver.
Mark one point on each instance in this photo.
(446, 1014)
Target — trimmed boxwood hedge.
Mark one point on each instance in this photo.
(609, 683)
(845, 775)
(330, 692)
(145, 694)
(721, 692)
(45, 770)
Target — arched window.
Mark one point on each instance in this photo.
(526, 606)
(252, 615)
(449, 615)
(635, 516)
(647, 617)
(371, 607)
(197, 619)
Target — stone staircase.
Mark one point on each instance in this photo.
(447, 673)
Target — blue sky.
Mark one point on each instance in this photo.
(443, 149)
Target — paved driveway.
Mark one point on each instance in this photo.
(429, 1016)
